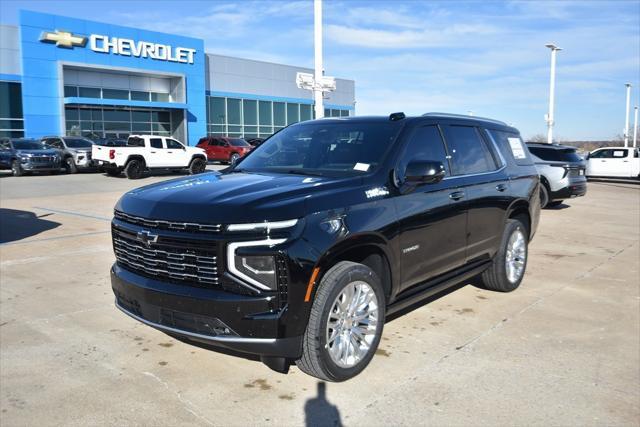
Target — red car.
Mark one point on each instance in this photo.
(224, 149)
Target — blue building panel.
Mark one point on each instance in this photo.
(42, 64)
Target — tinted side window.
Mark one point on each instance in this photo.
(602, 154)
(469, 153)
(155, 142)
(173, 144)
(555, 154)
(134, 141)
(425, 143)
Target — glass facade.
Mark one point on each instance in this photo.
(108, 122)
(104, 93)
(11, 120)
(252, 118)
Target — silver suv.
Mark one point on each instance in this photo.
(75, 151)
(561, 170)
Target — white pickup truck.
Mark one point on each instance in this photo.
(148, 152)
(614, 162)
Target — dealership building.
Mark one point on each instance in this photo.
(61, 75)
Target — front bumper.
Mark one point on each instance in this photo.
(45, 167)
(241, 323)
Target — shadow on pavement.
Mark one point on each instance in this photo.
(319, 412)
(18, 225)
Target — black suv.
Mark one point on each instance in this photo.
(561, 170)
(299, 251)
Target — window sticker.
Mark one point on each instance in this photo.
(361, 167)
(619, 153)
(516, 148)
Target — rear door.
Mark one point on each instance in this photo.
(479, 170)
(156, 154)
(432, 217)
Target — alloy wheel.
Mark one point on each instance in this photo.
(516, 256)
(352, 324)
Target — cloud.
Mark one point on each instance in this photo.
(454, 35)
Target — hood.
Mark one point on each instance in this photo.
(47, 152)
(239, 197)
(80, 150)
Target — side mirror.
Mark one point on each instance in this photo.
(424, 172)
(587, 156)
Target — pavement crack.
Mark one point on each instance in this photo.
(187, 404)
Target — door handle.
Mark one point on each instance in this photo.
(456, 195)
(153, 152)
(501, 187)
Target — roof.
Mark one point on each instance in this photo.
(438, 116)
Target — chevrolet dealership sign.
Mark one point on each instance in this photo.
(119, 46)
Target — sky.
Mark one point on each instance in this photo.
(487, 57)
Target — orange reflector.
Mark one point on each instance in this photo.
(312, 281)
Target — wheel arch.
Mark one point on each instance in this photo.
(136, 157)
(521, 209)
(370, 250)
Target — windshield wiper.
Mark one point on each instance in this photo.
(303, 172)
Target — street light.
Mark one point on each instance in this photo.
(626, 116)
(635, 127)
(317, 82)
(552, 90)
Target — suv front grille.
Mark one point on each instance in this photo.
(191, 262)
(167, 225)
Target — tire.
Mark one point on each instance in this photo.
(134, 169)
(497, 277)
(554, 204)
(234, 158)
(544, 196)
(113, 171)
(16, 169)
(317, 359)
(197, 165)
(70, 165)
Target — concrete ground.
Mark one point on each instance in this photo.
(564, 349)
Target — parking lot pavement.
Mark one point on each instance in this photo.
(564, 349)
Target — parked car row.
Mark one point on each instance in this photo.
(133, 156)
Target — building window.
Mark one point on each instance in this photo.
(97, 122)
(251, 118)
(103, 93)
(11, 121)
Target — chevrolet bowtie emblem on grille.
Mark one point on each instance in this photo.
(146, 237)
(63, 39)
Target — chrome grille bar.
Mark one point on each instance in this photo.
(167, 225)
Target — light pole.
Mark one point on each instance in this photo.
(318, 83)
(317, 45)
(635, 127)
(552, 91)
(626, 116)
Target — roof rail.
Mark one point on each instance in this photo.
(463, 116)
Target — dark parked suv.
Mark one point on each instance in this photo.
(299, 252)
(562, 172)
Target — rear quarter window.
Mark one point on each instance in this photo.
(556, 154)
(511, 146)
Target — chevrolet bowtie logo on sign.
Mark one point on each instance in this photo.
(63, 39)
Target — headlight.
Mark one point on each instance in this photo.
(258, 270)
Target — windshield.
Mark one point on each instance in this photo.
(78, 143)
(324, 148)
(27, 144)
(239, 142)
(556, 154)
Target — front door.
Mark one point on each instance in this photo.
(157, 156)
(176, 154)
(432, 217)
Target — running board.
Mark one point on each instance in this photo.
(429, 288)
